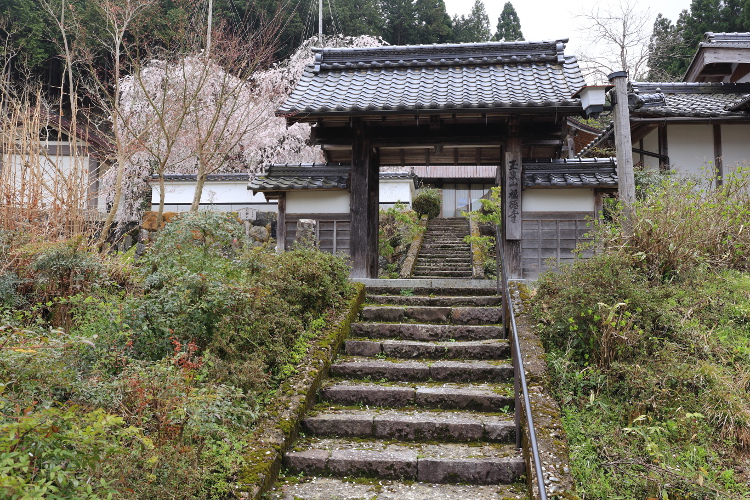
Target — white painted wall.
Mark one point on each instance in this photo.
(735, 145)
(396, 190)
(317, 202)
(691, 148)
(558, 200)
(182, 192)
(650, 143)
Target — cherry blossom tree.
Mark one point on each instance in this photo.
(192, 115)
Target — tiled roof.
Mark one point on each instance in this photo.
(577, 172)
(232, 177)
(286, 177)
(729, 40)
(434, 78)
(687, 99)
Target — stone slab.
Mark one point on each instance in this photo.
(423, 427)
(373, 395)
(472, 471)
(477, 315)
(381, 370)
(469, 371)
(426, 332)
(393, 465)
(346, 425)
(462, 399)
(367, 348)
(308, 461)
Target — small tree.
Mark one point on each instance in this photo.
(475, 28)
(508, 25)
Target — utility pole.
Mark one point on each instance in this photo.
(208, 29)
(624, 146)
(320, 22)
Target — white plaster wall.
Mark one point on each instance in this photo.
(213, 192)
(558, 200)
(650, 143)
(57, 175)
(392, 191)
(735, 145)
(691, 148)
(317, 202)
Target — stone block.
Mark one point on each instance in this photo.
(391, 465)
(345, 425)
(367, 348)
(308, 461)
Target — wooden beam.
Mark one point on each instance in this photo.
(742, 70)
(363, 204)
(719, 164)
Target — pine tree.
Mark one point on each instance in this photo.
(666, 50)
(508, 25)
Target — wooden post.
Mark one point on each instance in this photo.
(718, 156)
(663, 148)
(624, 145)
(363, 205)
(512, 209)
(281, 224)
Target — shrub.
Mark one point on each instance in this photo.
(398, 226)
(427, 202)
(680, 226)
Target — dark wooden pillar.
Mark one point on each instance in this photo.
(363, 205)
(281, 224)
(512, 208)
(718, 156)
(663, 148)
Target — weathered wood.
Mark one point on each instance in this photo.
(741, 71)
(93, 184)
(513, 189)
(281, 223)
(623, 141)
(718, 156)
(663, 147)
(363, 205)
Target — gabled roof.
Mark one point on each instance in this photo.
(687, 99)
(292, 177)
(720, 57)
(480, 77)
(571, 173)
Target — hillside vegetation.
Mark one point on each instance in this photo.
(649, 348)
(123, 378)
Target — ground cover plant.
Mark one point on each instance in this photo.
(397, 227)
(648, 344)
(142, 378)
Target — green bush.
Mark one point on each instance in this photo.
(427, 202)
(397, 227)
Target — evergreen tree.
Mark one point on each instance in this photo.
(400, 22)
(433, 22)
(508, 25)
(666, 50)
(354, 18)
(474, 28)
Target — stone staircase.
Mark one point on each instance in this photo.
(419, 406)
(444, 254)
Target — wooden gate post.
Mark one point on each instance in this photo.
(363, 205)
(512, 209)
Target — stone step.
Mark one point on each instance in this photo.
(411, 425)
(433, 463)
(407, 349)
(421, 331)
(449, 396)
(429, 314)
(420, 371)
(426, 300)
(442, 266)
(442, 275)
(330, 488)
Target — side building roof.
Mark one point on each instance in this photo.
(479, 77)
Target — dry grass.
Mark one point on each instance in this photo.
(44, 189)
(682, 225)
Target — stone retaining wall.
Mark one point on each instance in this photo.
(276, 432)
(551, 438)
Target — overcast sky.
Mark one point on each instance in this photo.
(553, 19)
